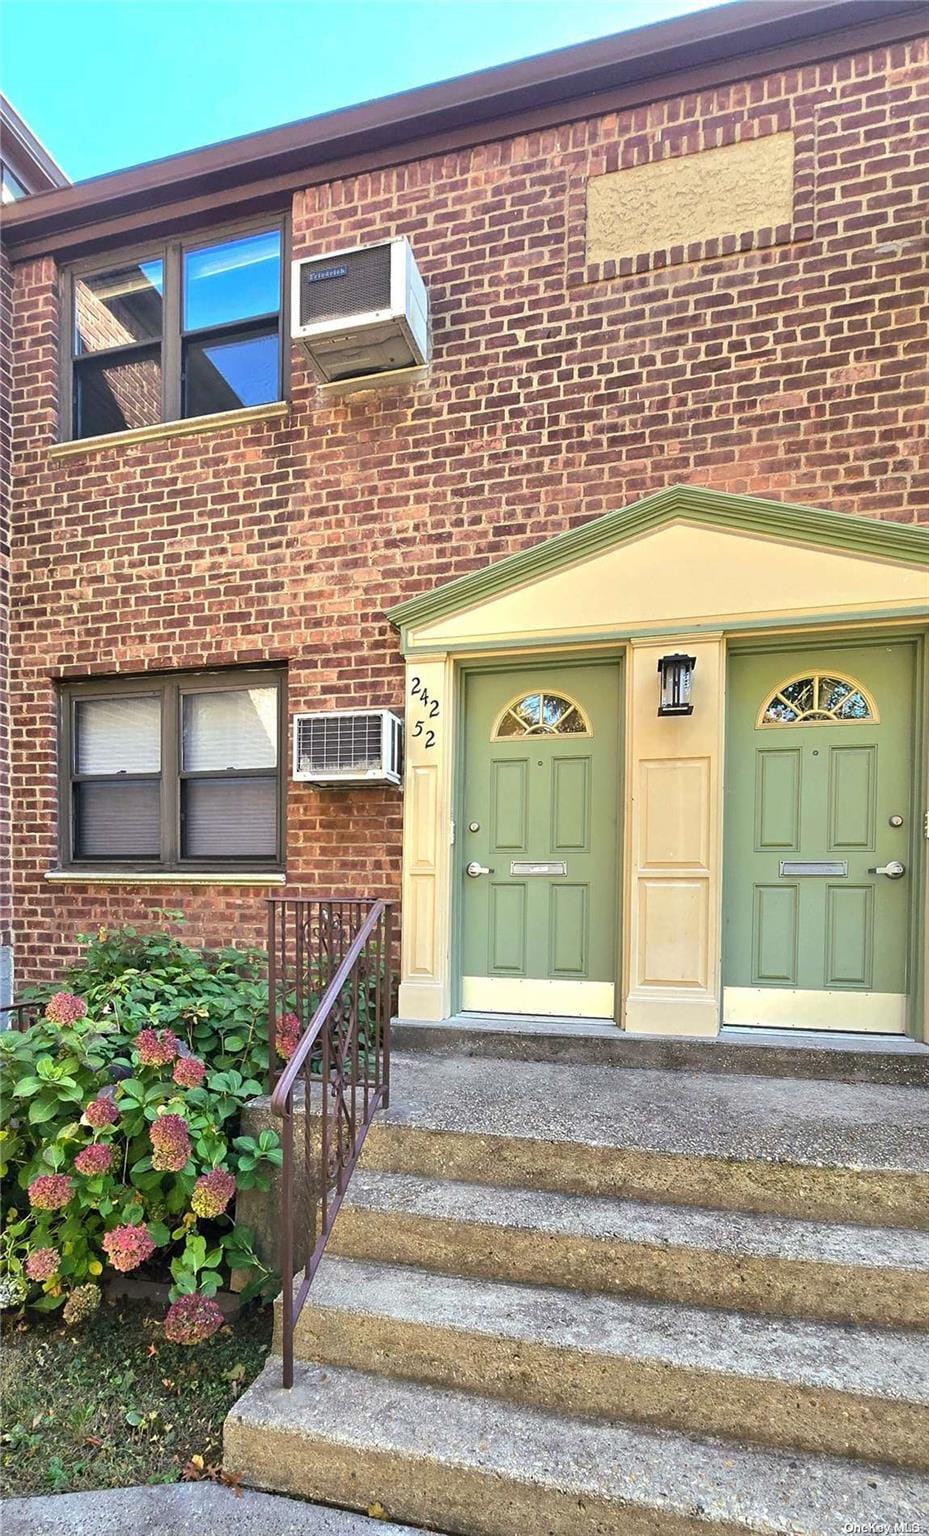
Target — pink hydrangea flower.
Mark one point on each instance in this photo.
(97, 1158)
(170, 1141)
(212, 1193)
(42, 1263)
(287, 1036)
(155, 1048)
(50, 1191)
(191, 1319)
(100, 1112)
(128, 1247)
(81, 1304)
(189, 1072)
(65, 1008)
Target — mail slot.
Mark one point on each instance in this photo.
(805, 867)
(549, 867)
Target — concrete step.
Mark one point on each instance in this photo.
(477, 1466)
(767, 1264)
(813, 1387)
(895, 1060)
(805, 1149)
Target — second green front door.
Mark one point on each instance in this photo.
(538, 840)
(819, 837)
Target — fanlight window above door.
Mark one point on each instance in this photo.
(541, 714)
(818, 698)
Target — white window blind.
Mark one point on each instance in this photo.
(228, 817)
(234, 728)
(116, 819)
(118, 735)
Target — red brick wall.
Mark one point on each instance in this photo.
(794, 370)
(6, 875)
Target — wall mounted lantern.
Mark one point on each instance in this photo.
(677, 677)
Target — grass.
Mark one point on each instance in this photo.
(115, 1403)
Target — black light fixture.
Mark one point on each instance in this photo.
(677, 677)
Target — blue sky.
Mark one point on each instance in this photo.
(110, 83)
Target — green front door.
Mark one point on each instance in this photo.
(538, 840)
(818, 803)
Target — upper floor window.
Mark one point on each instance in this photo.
(177, 773)
(189, 329)
(11, 188)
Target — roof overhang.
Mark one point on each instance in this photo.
(25, 154)
(260, 171)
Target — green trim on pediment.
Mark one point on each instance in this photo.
(903, 543)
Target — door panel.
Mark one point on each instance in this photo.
(569, 929)
(777, 800)
(509, 805)
(540, 821)
(571, 804)
(775, 931)
(852, 790)
(816, 769)
(849, 929)
(507, 928)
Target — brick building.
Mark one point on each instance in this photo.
(25, 167)
(676, 405)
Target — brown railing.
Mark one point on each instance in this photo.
(330, 961)
(19, 1016)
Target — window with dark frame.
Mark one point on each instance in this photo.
(175, 773)
(191, 328)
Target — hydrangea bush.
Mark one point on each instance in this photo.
(120, 1144)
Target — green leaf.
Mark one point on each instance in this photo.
(48, 1303)
(27, 1086)
(41, 1110)
(159, 1233)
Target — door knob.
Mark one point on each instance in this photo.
(474, 869)
(894, 870)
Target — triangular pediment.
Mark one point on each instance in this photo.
(684, 559)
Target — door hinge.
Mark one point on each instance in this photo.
(925, 823)
(452, 838)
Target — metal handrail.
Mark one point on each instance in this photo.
(376, 1096)
(288, 1077)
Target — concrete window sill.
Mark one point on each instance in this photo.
(187, 427)
(128, 877)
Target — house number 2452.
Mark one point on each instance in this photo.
(431, 711)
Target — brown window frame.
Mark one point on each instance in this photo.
(170, 350)
(169, 687)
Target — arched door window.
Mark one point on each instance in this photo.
(541, 714)
(818, 698)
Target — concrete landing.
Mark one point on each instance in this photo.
(895, 1060)
(811, 1149)
(691, 1113)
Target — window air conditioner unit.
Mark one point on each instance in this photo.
(361, 312)
(348, 747)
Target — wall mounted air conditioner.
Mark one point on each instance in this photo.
(361, 313)
(348, 747)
